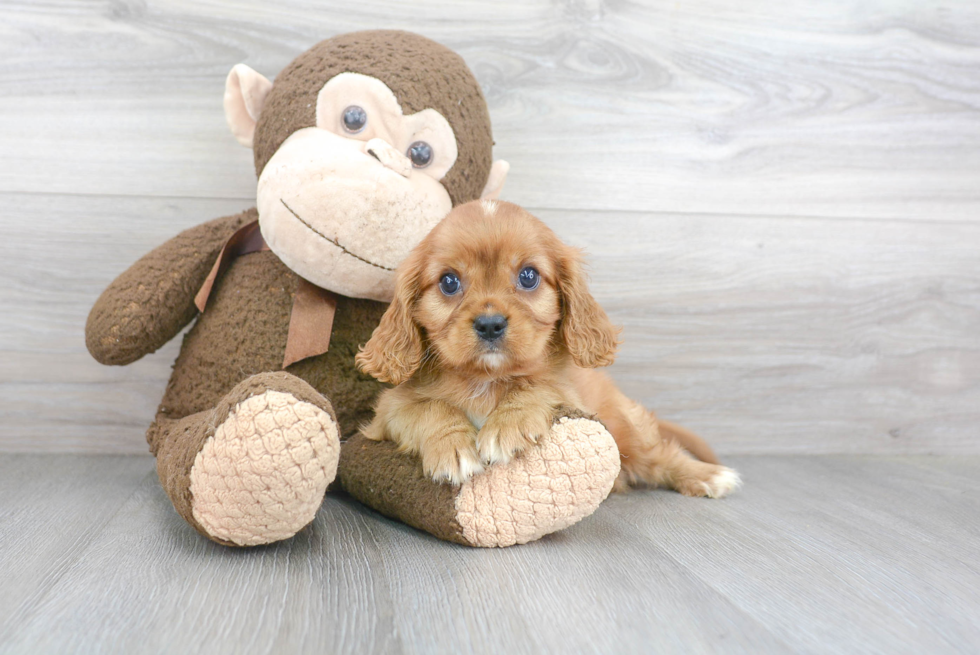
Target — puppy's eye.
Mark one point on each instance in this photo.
(449, 284)
(355, 118)
(528, 278)
(420, 153)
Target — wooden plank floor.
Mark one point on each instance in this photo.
(850, 554)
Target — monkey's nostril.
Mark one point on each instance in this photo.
(371, 152)
(490, 327)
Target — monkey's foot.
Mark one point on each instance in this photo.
(259, 464)
(262, 476)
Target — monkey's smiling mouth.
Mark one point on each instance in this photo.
(333, 241)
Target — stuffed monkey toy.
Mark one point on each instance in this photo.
(361, 145)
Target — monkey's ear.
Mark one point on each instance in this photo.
(495, 183)
(245, 92)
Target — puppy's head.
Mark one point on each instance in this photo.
(490, 292)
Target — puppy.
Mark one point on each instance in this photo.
(492, 328)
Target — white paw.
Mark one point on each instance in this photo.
(468, 467)
(506, 434)
(722, 483)
(450, 463)
(491, 452)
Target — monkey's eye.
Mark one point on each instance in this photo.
(449, 284)
(528, 278)
(420, 153)
(355, 118)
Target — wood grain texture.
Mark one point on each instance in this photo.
(781, 202)
(765, 334)
(815, 554)
(795, 335)
(838, 554)
(51, 508)
(865, 109)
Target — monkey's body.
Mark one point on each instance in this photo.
(243, 332)
(242, 335)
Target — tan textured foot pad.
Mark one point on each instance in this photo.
(547, 488)
(262, 476)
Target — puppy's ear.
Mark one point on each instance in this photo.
(588, 334)
(394, 351)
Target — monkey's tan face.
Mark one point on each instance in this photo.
(343, 203)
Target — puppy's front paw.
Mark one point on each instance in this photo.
(508, 432)
(452, 457)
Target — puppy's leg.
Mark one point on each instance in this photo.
(522, 417)
(648, 457)
(439, 433)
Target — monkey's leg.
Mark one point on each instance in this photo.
(254, 469)
(549, 486)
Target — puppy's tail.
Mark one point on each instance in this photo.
(689, 441)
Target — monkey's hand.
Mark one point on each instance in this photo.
(153, 299)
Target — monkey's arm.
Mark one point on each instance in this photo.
(554, 484)
(153, 299)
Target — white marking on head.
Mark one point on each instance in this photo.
(489, 207)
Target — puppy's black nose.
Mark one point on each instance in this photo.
(490, 327)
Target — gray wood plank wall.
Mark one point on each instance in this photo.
(781, 201)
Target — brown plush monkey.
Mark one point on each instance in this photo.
(361, 145)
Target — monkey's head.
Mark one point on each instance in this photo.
(362, 145)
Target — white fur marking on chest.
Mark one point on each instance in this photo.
(483, 397)
(479, 389)
(476, 419)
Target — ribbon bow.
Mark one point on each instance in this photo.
(314, 308)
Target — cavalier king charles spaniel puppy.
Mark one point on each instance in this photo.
(491, 330)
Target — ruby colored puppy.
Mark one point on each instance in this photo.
(491, 329)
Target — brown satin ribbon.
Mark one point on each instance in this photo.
(311, 318)
(310, 322)
(247, 239)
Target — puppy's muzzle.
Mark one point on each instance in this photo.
(490, 327)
